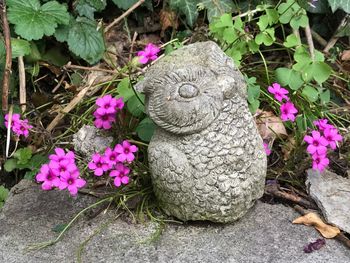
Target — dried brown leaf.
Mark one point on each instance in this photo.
(345, 55)
(168, 19)
(312, 219)
(269, 125)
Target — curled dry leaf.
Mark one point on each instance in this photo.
(168, 19)
(312, 219)
(345, 55)
(269, 125)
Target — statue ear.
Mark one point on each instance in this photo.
(231, 86)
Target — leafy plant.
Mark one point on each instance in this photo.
(3, 195)
(24, 160)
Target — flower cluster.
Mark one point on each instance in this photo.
(288, 110)
(148, 54)
(326, 136)
(61, 172)
(115, 161)
(18, 126)
(106, 110)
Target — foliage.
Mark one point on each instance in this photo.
(343, 4)
(3, 195)
(24, 160)
(33, 20)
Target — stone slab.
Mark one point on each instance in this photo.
(331, 193)
(264, 235)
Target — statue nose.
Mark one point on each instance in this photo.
(188, 91)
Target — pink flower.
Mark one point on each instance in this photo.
(148, 54)
(111, 157)
(72, 182)
(323, 124)
(278, 92)
(120, 171)
(317, 143)
(48, 177)
(18, 126)
(104, 121)
(120, 103)
(107, 105)
(125, 151)
(288, 111)
(332, 136)
(15, 119)
(319, 162)
(61, 155)
(99, 164)
(22, 128)
(63, 167)
(267, 149)
(120, 174)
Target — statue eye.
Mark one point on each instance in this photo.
(188, 91)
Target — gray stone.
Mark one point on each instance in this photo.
(331, 193)
(89, 140)
(206, 157)
(265, 235)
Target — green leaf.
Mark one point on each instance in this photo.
(319, 71)
(85, 10)
(266, 37)
(33, 21)
(263, 22)
(286, 12)
(292, 41)
(23, 155)
(124, 4)
(84, 39)
(325, 96)
(3, 193)
(254, 106)
(145, 129)
(290, 77)
(301, 123)
(340, 4)
(10, 165)
(230, 35)
(20, 47)
(310, 93)
(124, 89)
(299, 21)
(135, 106)
(187, 8)
(217, 8)
(98, 5)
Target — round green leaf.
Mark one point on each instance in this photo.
(134, 105)
(310, 93)
(145, 129)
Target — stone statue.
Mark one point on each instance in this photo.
(206, 157)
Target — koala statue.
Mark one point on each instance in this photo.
(206, 157)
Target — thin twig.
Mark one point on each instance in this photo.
(318, 38)
(22, 84)
(334, 38)
(132, 45)
(9, 124)
(310, 41)
(59, 83)
(70, 66)
(125, 14)
(341, 237)
(8, 60)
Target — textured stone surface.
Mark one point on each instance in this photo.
(264, 235)
(331, 192)
(89, 140)
(206, 156)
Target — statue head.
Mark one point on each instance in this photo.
(186, 90)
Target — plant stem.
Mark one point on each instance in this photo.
(52, 242)
(8, 60)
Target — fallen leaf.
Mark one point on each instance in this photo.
(269, 125)
(288, 147)
(345, 55)
(312, 219)
(168, 19)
